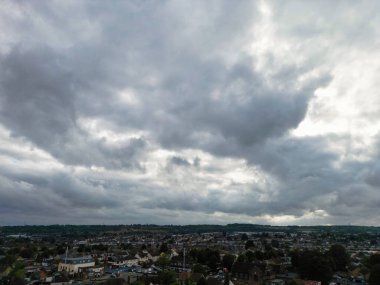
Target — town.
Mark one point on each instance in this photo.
(192, 255)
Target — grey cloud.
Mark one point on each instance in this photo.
(307, 182)
(38, 103)
(57, 87)
(37, 99)
(60, 187)
(197, 162)
(46, 196)
(197, 88)
(374, 180)
(342, 24)
(180, 161)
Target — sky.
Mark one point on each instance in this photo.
(190, 112)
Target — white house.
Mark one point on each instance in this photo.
(72, 265)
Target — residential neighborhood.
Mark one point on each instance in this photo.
(159, 257)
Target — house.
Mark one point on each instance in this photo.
(124, 260)
(115, 281)
(275, 282)
(214, 281)
(191, 276)
(244, 273)
(92, 271)
(310, 282)
(60, 280)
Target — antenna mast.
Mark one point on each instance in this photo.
(67, 249)
(184, 259)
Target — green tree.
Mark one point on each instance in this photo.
(294, 257)
(208, 256)
(60, 249)
(241, 258)
(339, 257)
(250, 256)
(167, 277)
(270, 253)
(249, 244)
(8, 260)
(163, 261)
(213, 262)
(228, 260)
(81, 248)
(259, 255)
(164, 247)
(202, 281)
(26, 253)
(45, 254)
(13, 251)
(374, 277)
(193, 253)
(17, 274)
(198, 268)
(313, 265)
(275, 243)
(374, 259)
(189, 282)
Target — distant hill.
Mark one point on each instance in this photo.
(80, 230)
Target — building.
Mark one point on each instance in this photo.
(310, 282)
(244, 273)
(275, 282)
(72, 265)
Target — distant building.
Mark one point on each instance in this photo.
(72, 265)
(309, 282)
(244, 273)
(275, 282)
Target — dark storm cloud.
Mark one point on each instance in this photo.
(59, 186)
(58, 86)
(38, 103)
(37, 96)
(110, 86)
(180, 161)
(244, 110)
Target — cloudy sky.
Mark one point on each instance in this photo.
(187, 112)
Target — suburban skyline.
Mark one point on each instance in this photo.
(190, 112)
